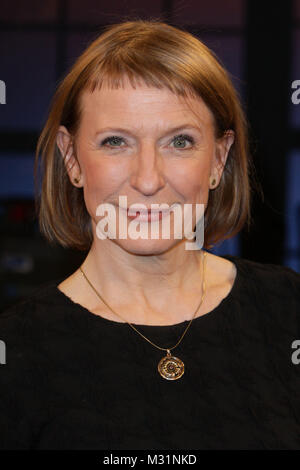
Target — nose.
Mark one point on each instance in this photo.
(147, 172)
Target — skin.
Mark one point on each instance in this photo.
(157, 282)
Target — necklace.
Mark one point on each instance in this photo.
(169, 367)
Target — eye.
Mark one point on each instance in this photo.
(180, 141)
(113, 141)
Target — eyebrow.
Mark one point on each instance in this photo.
(127, 131)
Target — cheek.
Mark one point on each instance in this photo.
(98, 186)
(100, 179)
(192, 182)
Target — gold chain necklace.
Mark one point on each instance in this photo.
(169, 367)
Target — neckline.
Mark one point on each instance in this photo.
(98, 320)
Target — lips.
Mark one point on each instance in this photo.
(145, 212)
(146, 215)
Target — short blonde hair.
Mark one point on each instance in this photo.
(160, 56)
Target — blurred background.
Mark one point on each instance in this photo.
(257, 41)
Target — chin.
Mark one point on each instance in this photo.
(146, 247)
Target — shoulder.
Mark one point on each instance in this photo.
(24, 366)
(29, 330)
(28, 312)
(254, 281)
(268, 295)
(273, 277)
(267, 291)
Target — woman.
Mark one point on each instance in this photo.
(148, 344)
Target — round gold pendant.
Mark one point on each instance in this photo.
(170, 367)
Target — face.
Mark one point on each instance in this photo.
(149, 145)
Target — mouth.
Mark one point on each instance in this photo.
(149, 215)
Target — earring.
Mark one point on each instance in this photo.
(76, 180)
(213, 182)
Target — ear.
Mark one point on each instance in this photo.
(64, 142)
(223, 145)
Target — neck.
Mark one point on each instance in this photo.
(150, 282)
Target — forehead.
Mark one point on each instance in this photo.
(142, 105)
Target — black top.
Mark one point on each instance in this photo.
(75, 380)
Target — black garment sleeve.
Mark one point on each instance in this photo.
(19, 394)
